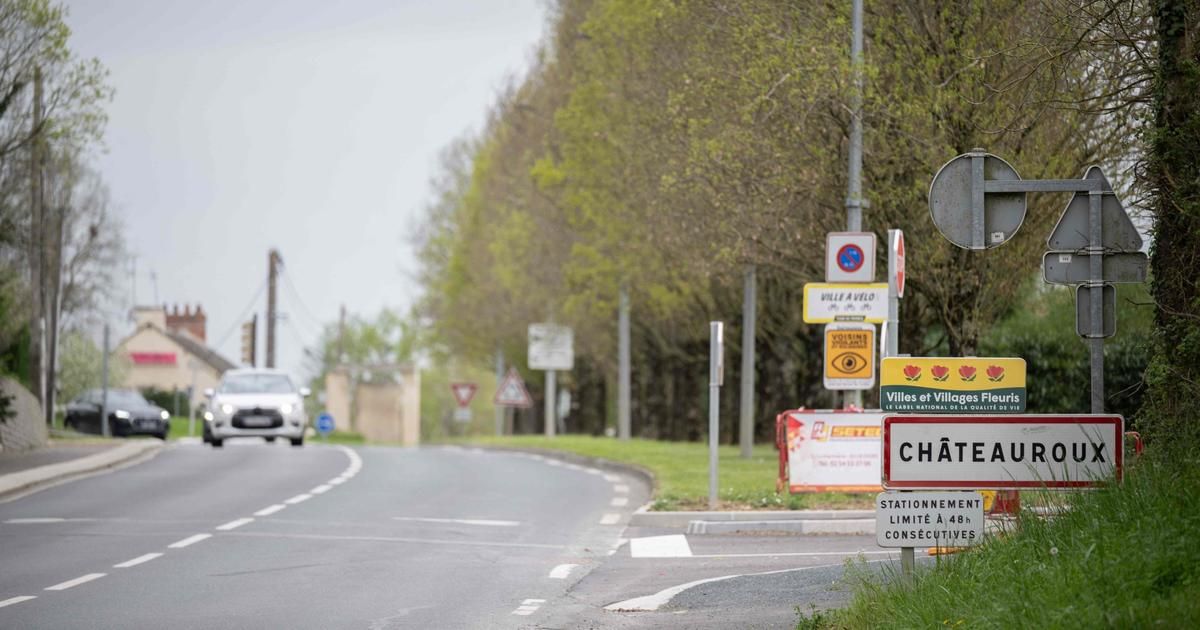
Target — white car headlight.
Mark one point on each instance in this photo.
(227, 409)
(165, 415)
(286, 409)
(208, 416)
(122, 414)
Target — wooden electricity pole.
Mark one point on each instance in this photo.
(273, 262)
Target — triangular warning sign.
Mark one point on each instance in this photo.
(512, 392)
(1117, 231)
(463, 393)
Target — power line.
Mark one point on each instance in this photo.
(287, 278)
(238, 322)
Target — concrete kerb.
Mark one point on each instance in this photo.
(18, 484)
(644, 474)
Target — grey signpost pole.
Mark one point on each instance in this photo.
(1095, 284)
(854, 200)
(499, 411)
(105, 430)
(624, 379)
(746, 421)
(551, 399)
(715, 369)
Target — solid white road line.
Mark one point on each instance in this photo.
(619, 501)
(299, 498)
(650, 603)
(561, 571)
(460, 521)
(62, 586)
(267, 511)
(671, 546)
(321, 489)
(136, 561)
(234, 524)
(621, 488)
(190, 540)
(610, 519)
(17, 600)
(33, 521)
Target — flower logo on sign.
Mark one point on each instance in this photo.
(995, 373)
(912, 373)
(940, 373)
(966, 373)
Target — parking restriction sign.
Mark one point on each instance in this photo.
(849, 356)
(850, 257)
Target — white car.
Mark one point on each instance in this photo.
(255, 403)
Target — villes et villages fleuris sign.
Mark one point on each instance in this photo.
(952, 385)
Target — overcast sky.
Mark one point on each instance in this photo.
(306, 125)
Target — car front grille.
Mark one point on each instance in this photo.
(257, 418)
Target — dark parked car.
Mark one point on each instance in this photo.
(128, 414)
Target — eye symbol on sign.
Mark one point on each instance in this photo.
(848, 362)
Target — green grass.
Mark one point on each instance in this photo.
(681, 471)
(1123, 556)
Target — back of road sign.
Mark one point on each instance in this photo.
(1073, 268)
(1117, 231)
(1083, 311)
(952, 200)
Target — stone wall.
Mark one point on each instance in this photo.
(27, 430)
(383, 412)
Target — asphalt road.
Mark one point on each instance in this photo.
(269, 536)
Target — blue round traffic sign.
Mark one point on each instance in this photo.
(850, 257)
(324, 423)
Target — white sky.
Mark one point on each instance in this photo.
(307, 125)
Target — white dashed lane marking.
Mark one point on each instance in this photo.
(620, 501)
(528, 607)
(671, 546)
(234, 524)
(17, 600)
(299, 498)
(321, 489)
(83, 579)
(190, 540)
(459, 521)
(621, 488)
(267, 511)
(136, 561)
(610, 519)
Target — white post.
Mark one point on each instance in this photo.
(550, 406)
(716, 365)
(893, 326)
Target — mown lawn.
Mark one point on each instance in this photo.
(681, 470)
(1122, 557)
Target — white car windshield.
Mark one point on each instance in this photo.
(256, 384)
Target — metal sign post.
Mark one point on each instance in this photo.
(978, 201)
(551, 348)
(716, 375)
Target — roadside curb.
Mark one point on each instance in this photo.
(25, 481)
(644, 474)
(744, 517)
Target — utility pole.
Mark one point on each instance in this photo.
(273, 262)
(854, 200)
(37, 241)
(105, 430)
(749, 314)
(499, 411)
(341, 338)
(624, 371)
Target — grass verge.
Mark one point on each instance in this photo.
(1123, 556)
(681, 469)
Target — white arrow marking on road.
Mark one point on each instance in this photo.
(460, 521)
(561, 571)
(76, 582)
(190, 540)
(267, 511)
(672, 546)
(17, 600)
(234, 524)
(136, 561)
